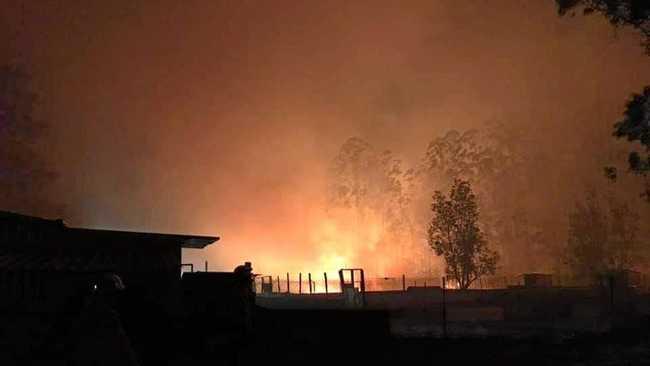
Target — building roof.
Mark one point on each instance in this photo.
(100, 259)
(115, 237)
(35, 230)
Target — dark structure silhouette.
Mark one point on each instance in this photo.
(62, 286)
(43, 262)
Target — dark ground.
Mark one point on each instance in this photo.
(105, 334)
(332, 338)
(343, 338)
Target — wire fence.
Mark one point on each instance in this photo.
(301, 284)
(306, 284)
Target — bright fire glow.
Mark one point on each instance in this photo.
(325, 242)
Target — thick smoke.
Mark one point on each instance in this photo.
(224, 117)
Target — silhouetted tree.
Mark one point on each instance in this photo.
(601, 239)
(454, 234)
(502, 163)
(24, 175)
(635, 125)
(635, 13)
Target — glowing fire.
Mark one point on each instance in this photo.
(342, 245)
(324, 243)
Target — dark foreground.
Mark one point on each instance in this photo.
(612, 349)
(363, 342)
(101, 336)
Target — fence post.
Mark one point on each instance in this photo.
(206, 266)
(444, 307)
(279, 291)
(325, 275)
(300, 282)
(403, 282)
(288, 288)
(309, 278)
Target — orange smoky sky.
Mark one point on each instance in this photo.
(221, 117)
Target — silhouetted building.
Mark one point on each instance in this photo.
(44, 264)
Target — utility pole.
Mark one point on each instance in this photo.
(611, 293)
(444, 307)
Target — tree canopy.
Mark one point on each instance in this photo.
(635, 125)
(454, 233)
(635, 13)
